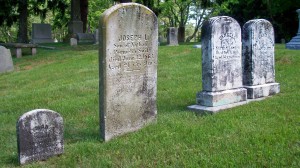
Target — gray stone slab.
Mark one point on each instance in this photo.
(172, 37)
(41, 33)
(221, 65)
(212, 110)
(85, 37)
(294, 44)
(258, 59)
(265, 90)
(6, 63)
(128, 51)
(39, 135)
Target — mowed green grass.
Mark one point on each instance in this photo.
(259, 134)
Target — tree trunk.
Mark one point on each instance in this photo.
(84, 13)
(23, 14)
(181, 34)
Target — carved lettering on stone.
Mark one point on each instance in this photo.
(39, 135)
(128, 69)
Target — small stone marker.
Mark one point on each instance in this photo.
(96, 34)
(39, 135)
(73, 42)
(221, 66)
(6, 63)
(172, 36)
(258, 59)
(128, 69)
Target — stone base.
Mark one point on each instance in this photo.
(211, 110)
(259, 91)
(213, 99)
(294, 43)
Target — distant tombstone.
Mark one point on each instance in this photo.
(96, 34)
(295, 41)
(85, 37)
(73, 42)
(128, 69)
(172, 36)
(6, 63)
(258, 59)
(39, 135)
(221, 66)
(41, 33)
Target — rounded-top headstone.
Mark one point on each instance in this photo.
(39, 135)
(258, 52)
(221, 54)
(128, 46)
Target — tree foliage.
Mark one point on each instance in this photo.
(280, 13)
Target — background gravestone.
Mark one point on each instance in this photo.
(258, 59)
(128, 69)
(6, 63)
(172, 36)
(39, 135)
(41, 33)
(295, 41)
(221, 66)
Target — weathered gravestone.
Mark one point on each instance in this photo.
(295, 41)
(96, 34)
(73, 42)
(6, 63)
(258, 59)
(221, 66)
(41, 33)
(128, 69)
(172, 39)
(39, 135)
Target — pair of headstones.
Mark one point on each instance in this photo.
(235, 67)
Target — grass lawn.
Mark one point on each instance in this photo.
(259, 134)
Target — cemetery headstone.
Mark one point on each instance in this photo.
(96, 34)
(295, 42)
(6, 63)
(75, 25)
(39, 135)
(172, 36)
(258, 59)
(73, 41)
(41, 33)
(221, 66)
(85, 37)
(128, 69)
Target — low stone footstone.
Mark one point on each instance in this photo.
(295, 42)
(172, 39)
(258, 59)
(6, 63)
(39, 135)
(73, 41)
(221, 66)
(128, 51)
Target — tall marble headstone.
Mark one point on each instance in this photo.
(39, 135)
(172, 39)
(295, 42)
(222, 81)
(41, 33)
(75, 25)
(128, 69)
(6, 63)
(258, 59)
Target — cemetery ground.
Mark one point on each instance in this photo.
(259, 134)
